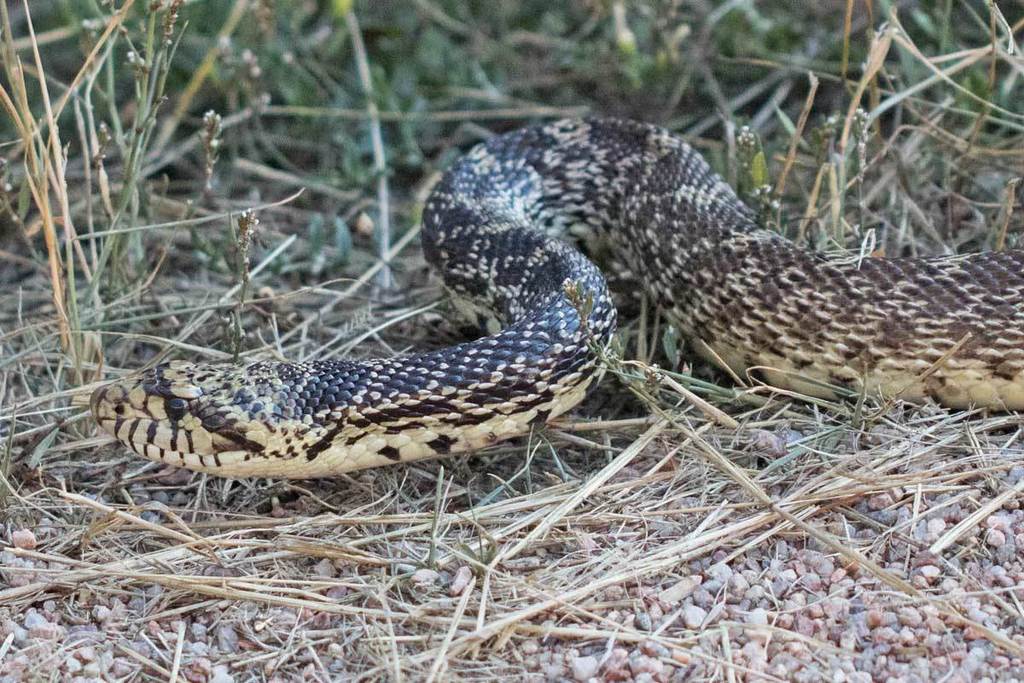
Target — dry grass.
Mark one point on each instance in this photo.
(681, 523)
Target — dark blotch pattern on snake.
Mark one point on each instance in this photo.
(949, 329)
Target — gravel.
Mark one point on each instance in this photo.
(585, 668)
(784, 606)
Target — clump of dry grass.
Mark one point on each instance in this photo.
(680, 524)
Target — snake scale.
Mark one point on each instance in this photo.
(948, 329)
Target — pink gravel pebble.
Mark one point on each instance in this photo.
(461, 580)
(24, 539)
(995, 538)
(584, 668)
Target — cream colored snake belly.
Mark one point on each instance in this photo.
(948, 329)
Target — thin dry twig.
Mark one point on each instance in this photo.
(380, 168)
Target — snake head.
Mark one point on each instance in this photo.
(181, 414)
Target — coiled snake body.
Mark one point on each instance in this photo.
(950, 329)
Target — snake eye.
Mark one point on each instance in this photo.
(175, 408)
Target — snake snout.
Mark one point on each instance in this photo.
(110, 403)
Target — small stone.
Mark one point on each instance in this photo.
(758, 620)
(39, 627)
(220, 675)
(702, 598)
(908, 616)
(836, 608)
(721, 572)
(995, 538)
(694, 616)
(769, 443)
(653, 648)
(8, 627)
(782, 581)
(24, 539)
(554, 671)
(584, 668)
(755, 655)
(712, 586)
(812, 582)
(879, 502)
(461, 580)
(974, 633)
(930, 572)
(885, 634)
(950, 586)
(615, 665)
(645, 668)
(202, 666)
(227, 638)
(758, 617)
(101, 613)
(824, 566)
(642, 621)
(998, 521)
(325, 569)
(425, 577)
(655, 613)
(33, 618)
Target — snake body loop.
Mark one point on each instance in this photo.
(949, 329)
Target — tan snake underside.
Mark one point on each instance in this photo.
(947, 329)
